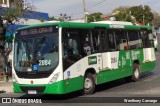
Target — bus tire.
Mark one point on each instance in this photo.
(89, 84)
(136, 72)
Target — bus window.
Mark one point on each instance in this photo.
(121, 40)
(96, 41)
(71, 48)
(134, 40)
(145, 38)
(112, 43)
(86, 46)
(23, 54)
(151, 39)
(104, 41)
(73, 41)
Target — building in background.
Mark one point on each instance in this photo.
(32, 17)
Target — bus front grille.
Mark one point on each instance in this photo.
(39, 89)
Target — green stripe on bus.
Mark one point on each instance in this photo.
(61, 87)
(109, 75)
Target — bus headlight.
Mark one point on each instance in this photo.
(14, 79)
(55, 77)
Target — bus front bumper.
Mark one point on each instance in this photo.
(55, 88)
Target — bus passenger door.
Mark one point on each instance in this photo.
(96, 38)
(125, 63)
(119, 52)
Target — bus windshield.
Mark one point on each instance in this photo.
(40, 50)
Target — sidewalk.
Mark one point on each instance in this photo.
(6, 87)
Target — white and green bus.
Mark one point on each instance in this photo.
(62, 57)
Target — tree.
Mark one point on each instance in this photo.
(142, 14)
(53, 18)
(10, 16)
(95, 17)
(121, 8)
(123, 14)
(41, 19)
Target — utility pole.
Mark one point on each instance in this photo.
(143, 15)
(85, 12)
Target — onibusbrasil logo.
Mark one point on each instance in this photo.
(17, 100)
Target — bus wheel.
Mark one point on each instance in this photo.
(136, 72)
(89, 84)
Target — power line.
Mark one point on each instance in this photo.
(96, 4)
(80, 12)
(88, 8)
(76, 13)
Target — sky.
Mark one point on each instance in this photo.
(74, 8)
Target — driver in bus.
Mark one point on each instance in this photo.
(87, 48)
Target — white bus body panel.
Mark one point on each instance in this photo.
(79, 68)
(39, 80)
(149, 54)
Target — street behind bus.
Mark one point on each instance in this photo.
(148, 86)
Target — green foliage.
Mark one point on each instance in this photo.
(95, 17)
(41, 19)
(12, 14)
(123, 14)
(135, 13)
(52, 18)
(120, 9)
(142, 14)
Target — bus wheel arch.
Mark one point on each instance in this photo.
(89, 81)
(136, 72)
(136, 61)
(93, 72)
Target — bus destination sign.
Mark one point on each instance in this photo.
(33, 31)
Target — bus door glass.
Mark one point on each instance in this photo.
(145, 38)
(97, 46)
(135, 45)
(118, 47)
(71, 48)
(122, 46)
(104, 48)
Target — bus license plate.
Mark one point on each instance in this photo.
(32, 92)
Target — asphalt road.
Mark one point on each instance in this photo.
(112, 92)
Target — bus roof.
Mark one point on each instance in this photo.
(114, 22)
(93, 25)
